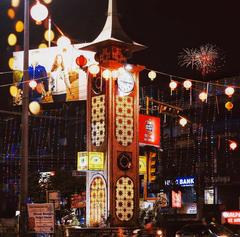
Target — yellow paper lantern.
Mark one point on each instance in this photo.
(49, 35)
(13, 91)
(15, 3)
(47, 1)
(229, 105)
(152, 75)
(12, 39)
(19, 26)
(42, 45)
(34, 107)
(11, 63)
(11, 13)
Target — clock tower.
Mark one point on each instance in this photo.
(112, 126)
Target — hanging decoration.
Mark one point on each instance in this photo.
(232, 145)
(94, 69)
(81, 61)
(229, 105)
(173, 86)
(203, 96)
(187, 84)
(33, 84)
(13, 91)
(34, 107)
(39, 12)
(183, 121)
(229, 91)
(106, 74)
(152, 75)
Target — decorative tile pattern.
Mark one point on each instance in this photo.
(98, 120)
(124, 199)
(124, 120)
(97, 200)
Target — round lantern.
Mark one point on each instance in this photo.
(94, 69)
(13, 91)
(106, 74)
(187, 84)
(229, 91)
(33, 84)
(232, 145)
(152, 75)
(81, 61)
(34, 107)
(115, 73)
(203, 96)
(63, 41)
(173, 85)
(39, 12)
(229, 105)
(183, 122)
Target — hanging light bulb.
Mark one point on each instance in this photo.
(183, 122)
(173, 85)
(94, 69)
(128, 67)
(229, 105)
(34, 107)
(115, 73)
(187, 84)
(229, 91)
(33, 84)
(106, 74)
(39, 12)
(233, 145)
(203, 96)
(63, 41)
(152, 75)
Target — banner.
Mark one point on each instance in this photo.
(41, 217)
(96, 161)
(149, 130)
(82, 161)
(54, 83)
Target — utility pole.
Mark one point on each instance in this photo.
(24, 127)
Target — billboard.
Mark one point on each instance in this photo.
(58, 77)
(149, 130)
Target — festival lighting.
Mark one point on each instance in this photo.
(152, 75)
(63, 41)
(94, 69)
(183, 122)
(39, 12)
(229, 91)
(187, 84)
(203, 96)
(232, 145)
(106, 74)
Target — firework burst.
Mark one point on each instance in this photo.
(205, 59)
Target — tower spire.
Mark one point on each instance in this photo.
(113, 32)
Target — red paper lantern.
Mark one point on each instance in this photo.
(81, 61)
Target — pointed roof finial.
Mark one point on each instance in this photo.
(113, 32)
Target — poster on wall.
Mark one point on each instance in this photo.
(149, 130)
(57, 76)
(142, 165)
(96, 161)
(82, 161)
(41, 217)
(177, 199)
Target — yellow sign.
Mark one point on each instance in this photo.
(142, 164)
(82, 161)
(96, 161)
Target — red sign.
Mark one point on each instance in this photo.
(177, 199)
(149, 130)
(231, 217)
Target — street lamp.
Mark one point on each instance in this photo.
(24, 125)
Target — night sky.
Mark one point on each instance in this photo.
(165, 27)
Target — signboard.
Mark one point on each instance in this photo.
(41, 217)
(73, 80)
(149, 132)
(96, 161)
(82, 161)
(54, 197)
(231, 217)
(142, 164)
(182, 181)
(177, 199)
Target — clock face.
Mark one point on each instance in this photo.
(125, 83)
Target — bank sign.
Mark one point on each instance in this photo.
(181, 181)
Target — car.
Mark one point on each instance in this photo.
(205, 230)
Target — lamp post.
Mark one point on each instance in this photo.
(24, 125)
